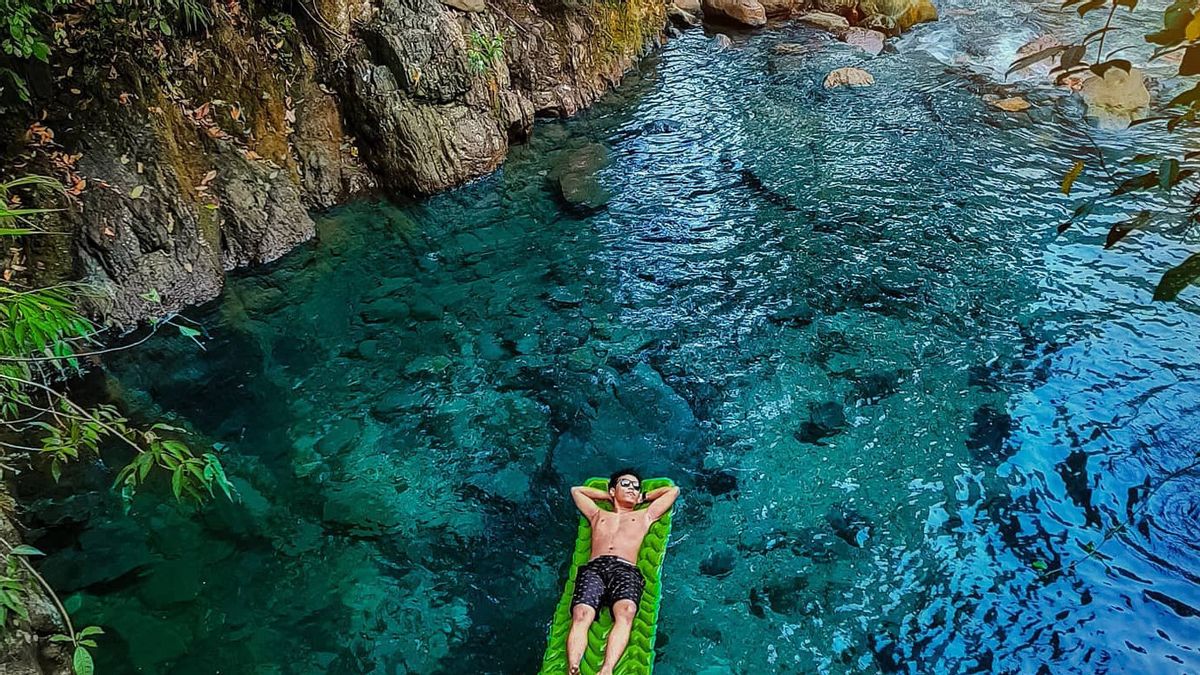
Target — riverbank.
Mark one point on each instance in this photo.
(891, 395)
(207, 153)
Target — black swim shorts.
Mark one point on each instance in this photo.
(605, 580)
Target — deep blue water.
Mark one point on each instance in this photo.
(917, 431)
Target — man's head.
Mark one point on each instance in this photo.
(625, 486)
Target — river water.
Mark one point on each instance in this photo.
(916, 430)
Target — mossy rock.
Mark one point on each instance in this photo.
(639, 655)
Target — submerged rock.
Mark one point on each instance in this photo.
(743, 12)
(576, 180)
(722, 41)
(1010, 104)
(848, 77)
(870, 41)
(719, 563)
(826, 419)
(849, 525)
(989, 432)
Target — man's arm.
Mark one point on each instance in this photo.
(585, 498)
(661, 500)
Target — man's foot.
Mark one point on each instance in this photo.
(573, 669)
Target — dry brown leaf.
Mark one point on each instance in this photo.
(235, 112)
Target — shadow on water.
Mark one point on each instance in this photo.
(898, 408)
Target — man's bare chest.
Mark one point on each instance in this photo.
(624, 527)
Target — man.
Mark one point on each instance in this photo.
(611, 577)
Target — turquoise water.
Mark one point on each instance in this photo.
(841, 321)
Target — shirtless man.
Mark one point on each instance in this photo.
(611, 577)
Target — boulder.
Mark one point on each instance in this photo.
(690, 6)
(779, 8)
(845, 8)
(742, 12)
(848, 77)
(830, 22)
(722, 41)
(870, 41)
(575, 176)
(1116, 99)
(905, 13)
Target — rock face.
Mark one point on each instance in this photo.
(218, 168)
(1116, 99)
(741, 12)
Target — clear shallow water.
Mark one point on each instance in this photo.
(840, 320)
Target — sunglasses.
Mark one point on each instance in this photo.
(626, 483)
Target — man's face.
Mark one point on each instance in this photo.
(628, 489)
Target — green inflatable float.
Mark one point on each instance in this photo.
(639, 655)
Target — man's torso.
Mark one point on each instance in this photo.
(619, 534)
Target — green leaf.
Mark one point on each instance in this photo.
(1069, 179)
(1118, 231)
(73, 603)
(83, 662)
(188, 332)
(1142, 182)
(137, 191)
(1168, 173)
(25, 549)
(1178, 278)
(151, 296)
(1039, 565)
(177, 482)
(90, 630)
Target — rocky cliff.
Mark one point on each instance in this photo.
(211, 157)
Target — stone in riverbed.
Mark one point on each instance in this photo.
(826, 419)
(870, 41)
(830, 22)
(848, 77)
(690, 6)
(722, 41)
(719, 563)
(743, 12)
(575, 177)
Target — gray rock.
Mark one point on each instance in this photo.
(576, 180)
(722, 41)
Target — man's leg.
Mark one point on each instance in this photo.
(623, 612)
(581, 619)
